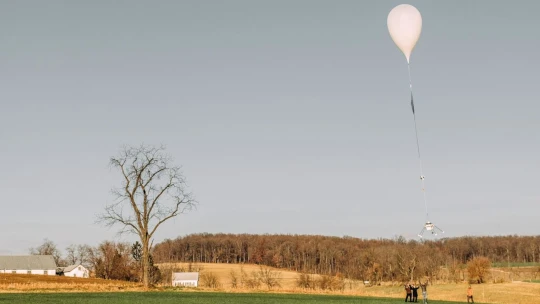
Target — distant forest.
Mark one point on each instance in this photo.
(366, 259)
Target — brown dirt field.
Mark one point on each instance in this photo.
(287, 278)
(511, 292)
(516, 273)
(44, 283)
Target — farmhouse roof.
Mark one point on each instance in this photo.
(185, 276)
(70, 268)
(27, 262)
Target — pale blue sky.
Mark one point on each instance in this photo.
(287, 116)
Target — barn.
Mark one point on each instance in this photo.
(76, 271)
(28, 264)
(187, 279)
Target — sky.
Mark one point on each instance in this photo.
(288, 117)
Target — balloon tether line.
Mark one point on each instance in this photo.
(417, 142)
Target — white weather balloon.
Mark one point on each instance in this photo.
(405, 25)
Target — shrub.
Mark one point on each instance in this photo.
(234, 279)
(306, 281)
(330, 283)
(210, 279)
(269, 277)
(478, 269)
(253, 281)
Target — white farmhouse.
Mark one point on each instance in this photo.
(28, 264)
(187, 279)
(77, 271)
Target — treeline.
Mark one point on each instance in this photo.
(376, 260)
(367, 259)
(108, 260)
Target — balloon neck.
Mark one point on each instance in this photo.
(408, 56)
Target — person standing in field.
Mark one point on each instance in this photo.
(408, 291)
(414, 289)
(469, 294)
(424, 292)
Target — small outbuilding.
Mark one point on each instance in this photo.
(76, 271)
(186, 279)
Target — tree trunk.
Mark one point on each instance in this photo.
(145, 264)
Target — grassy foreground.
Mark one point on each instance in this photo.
(189, 298)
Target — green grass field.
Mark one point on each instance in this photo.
(189, 298)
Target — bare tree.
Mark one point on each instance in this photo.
(478, 269)
(112, 260)
(269, 277)
(210, 279)
(152, 192)
(234, 279)
(48, 248)
(407, 264)
(71, 254)
(78, 254)
(83, 254)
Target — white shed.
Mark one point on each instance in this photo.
(78, 271)
(187, 279)
(28, 264)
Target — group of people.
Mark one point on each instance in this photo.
(412, 292)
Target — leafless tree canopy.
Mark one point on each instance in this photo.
(152, 191)
(71, 255)
(478, 269)
(78, 254)
(48, 248)
(382, 260)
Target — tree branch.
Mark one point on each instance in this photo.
(151, 198)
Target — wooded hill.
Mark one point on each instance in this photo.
(366, 259)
